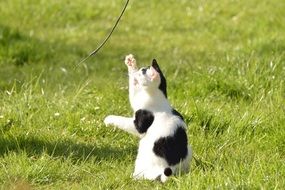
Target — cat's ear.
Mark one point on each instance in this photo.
(162, 85)
(155, 70)
(153, 73)
(155, 65)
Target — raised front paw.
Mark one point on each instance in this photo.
(130, 61)
(109, 120)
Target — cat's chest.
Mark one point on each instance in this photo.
(164, 124)
(143, 100)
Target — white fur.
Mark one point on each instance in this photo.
(144, 94)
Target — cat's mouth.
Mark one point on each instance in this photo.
(136, 82)
(140, 82)
(140, 79)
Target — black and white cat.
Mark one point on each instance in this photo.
(163, 148)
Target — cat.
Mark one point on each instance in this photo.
(163, 147)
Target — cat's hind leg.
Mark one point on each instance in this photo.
(150, 167)
(153, 173)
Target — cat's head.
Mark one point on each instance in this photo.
(151, 78)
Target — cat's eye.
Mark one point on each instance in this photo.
(144, 71)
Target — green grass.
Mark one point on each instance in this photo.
(225, 66)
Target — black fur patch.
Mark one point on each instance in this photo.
(143, 120)
(162, 85)
(172, 148)
(175, 112)
(167, 172)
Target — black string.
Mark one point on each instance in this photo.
(107, 38)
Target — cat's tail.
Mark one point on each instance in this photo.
(166, 173)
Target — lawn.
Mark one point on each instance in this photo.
(225, 66)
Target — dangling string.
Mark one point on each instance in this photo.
(107, 38)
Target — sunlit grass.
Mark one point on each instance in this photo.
(224, 62)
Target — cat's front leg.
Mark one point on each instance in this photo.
(130, 62)
(124, 123)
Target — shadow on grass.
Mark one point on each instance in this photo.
(65, 149)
